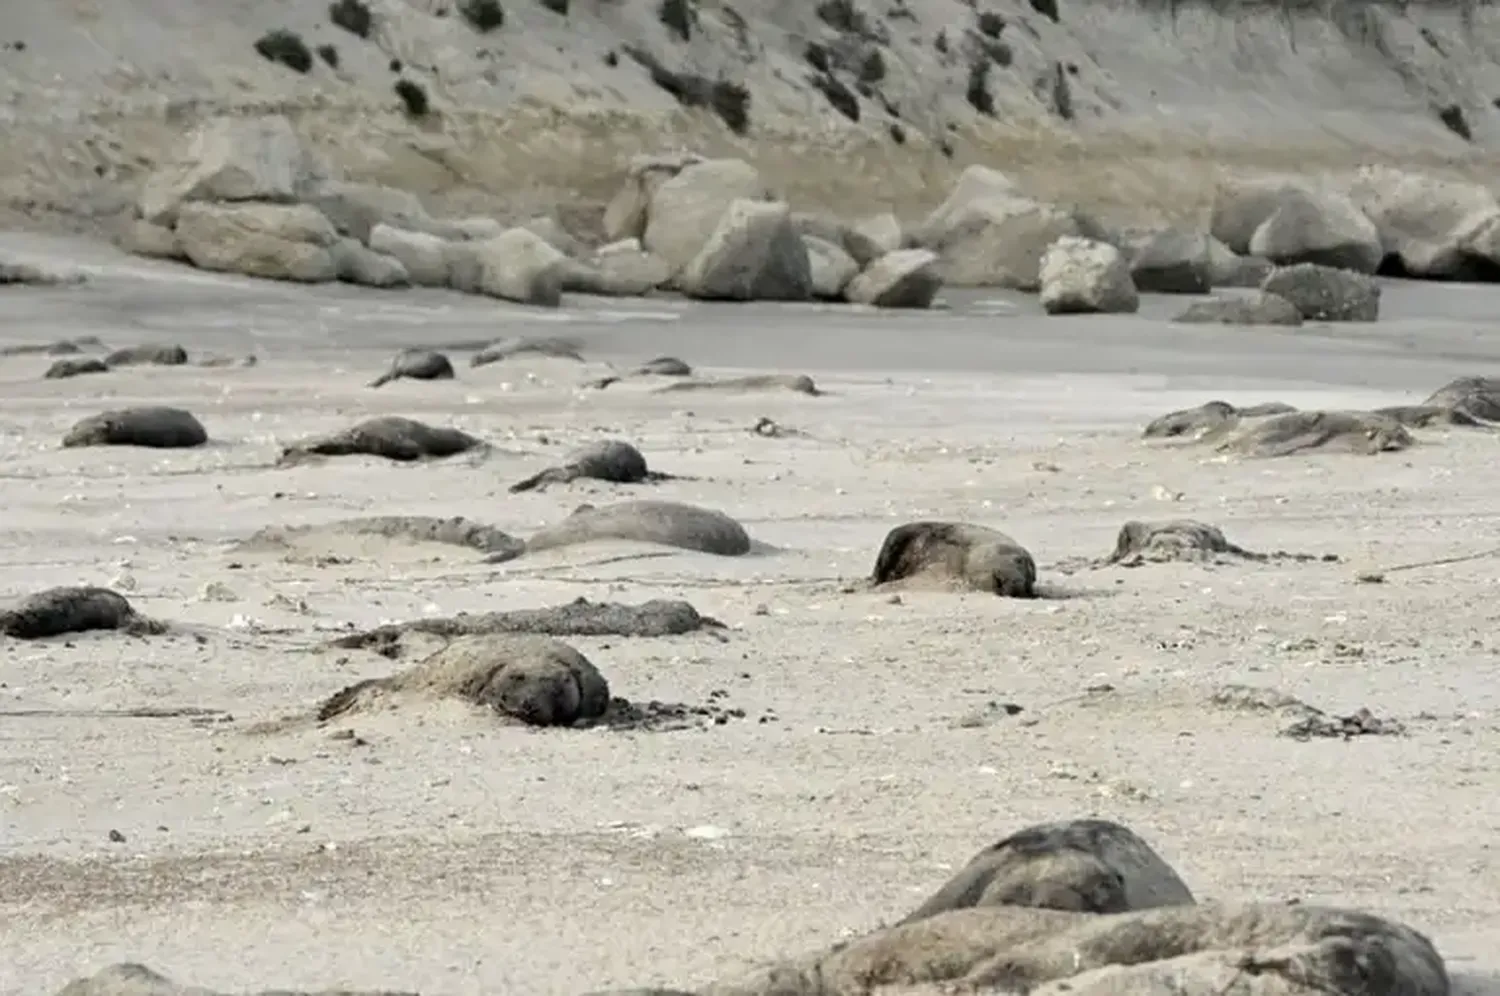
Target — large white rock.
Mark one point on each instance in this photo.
(425, 257)
(754, 254)
(903, 278)
(274, 241)
(232, 159)
(686, 209)
(625, 216)
(1084, 275)
(366, 267)
(1318, 227)
(356, 208)
(998, 241)
(832, 267)
(975, 183)
(1436, 227)
(1325, 293)
(516, 265)
(1169, 260)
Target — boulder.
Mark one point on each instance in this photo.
(356, 208)
(975, 184)
(882, 231)
(274, 241)
(366, 267)
(620, 269)
(832, 267)
(1226, 268)
(232, 159)
(516, 265)
(905, 278)
(142, 238)
(1326, 294)
(686, 210)
(858, 247)
(1255, 308)
(626, 215)
(1324, 228)
(1169, 261)
(1433, 227)
(1081, 275)
(995, 242)
(425, 257)
(551, 231)
(1241, 205)
(754, 254)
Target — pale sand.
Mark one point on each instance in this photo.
(458, 856)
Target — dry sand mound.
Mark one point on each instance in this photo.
(668, 523)
(322, 539)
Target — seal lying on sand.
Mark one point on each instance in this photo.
(1296, 432)
(539, 681)
(1245, 949)
(389, 436)
(800, 383)
(62, 347)
(156, 426)
(455, 531)
(976, 557)
(1479, 396)
(130, 979)
(417, 364)
(669, 523)
(75, 366)
(1177, 539)
(148, 355)
(664, 366)
(1212, 418)
(1426, 416)
(57, 611)
(556, 346)
(1086, 866)
(611, 460)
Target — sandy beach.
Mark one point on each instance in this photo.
(869, 744)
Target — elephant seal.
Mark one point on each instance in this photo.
(1479, 396)
(555, 346)
(57, 611)
(75, 366)
(533, 679)
(800, 383)
(669, 523)
(975, 557)
(664, 366)
(132, 979)
(417, 364)
(390, 436)
(148, 355)
(455, 531)
(1177, 539)
(1427, 416)
(1208, 418)
(612, 460)
(1297, 432)
(1245, 949)
(62, 347)
(155, 426)
(1086, 866)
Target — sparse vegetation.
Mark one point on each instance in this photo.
(898, 133)
(941, 43)
(353, 16)
(611, 58)
(395, 65)
(817, 57)
(329, 55)
(946, 148)
(999, 52)
(840, 96)
(678, 17)
(483, 16)
(1047, 8)
(556, 6)
(977, 92)
(729, 100)
(1062, 94)
(287, 48)
(414, 97)
(843, 16)
(991, 24)
(1454, 120)
(872, 67)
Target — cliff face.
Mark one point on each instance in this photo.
(1128, 106)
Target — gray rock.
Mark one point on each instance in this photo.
(538, 681)
(882, 232)
(686, 210)
(58, 611)
(1242, 204)
(1434, 227)
(155, 426)
(1080, 275)
(849, 240)
(141, 238)
(956, 554)
(416, 364)
(1298, 432)
(366, 267)
(831, 267)
(974, 184)
(1083, 866)
(1256, 308)
(354, 209)
(551, 231)
(1323, 228)
(686, 527)
(993, 240)
(626, 215)
(754, 254)
(1228, 269)
(1169, 261)
(271, 241)
(905, 278)
(1326, 294)
(621, 269)
(425, 257)
(390, 436)
(516, 265)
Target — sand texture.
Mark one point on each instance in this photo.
(836, 752)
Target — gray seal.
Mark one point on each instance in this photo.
(975, 557)
(612, 460)
(148, 355)
(57, 611)
(159, 427)
(75, 366)
(390, 436)
(416, 364)
(669, 523)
